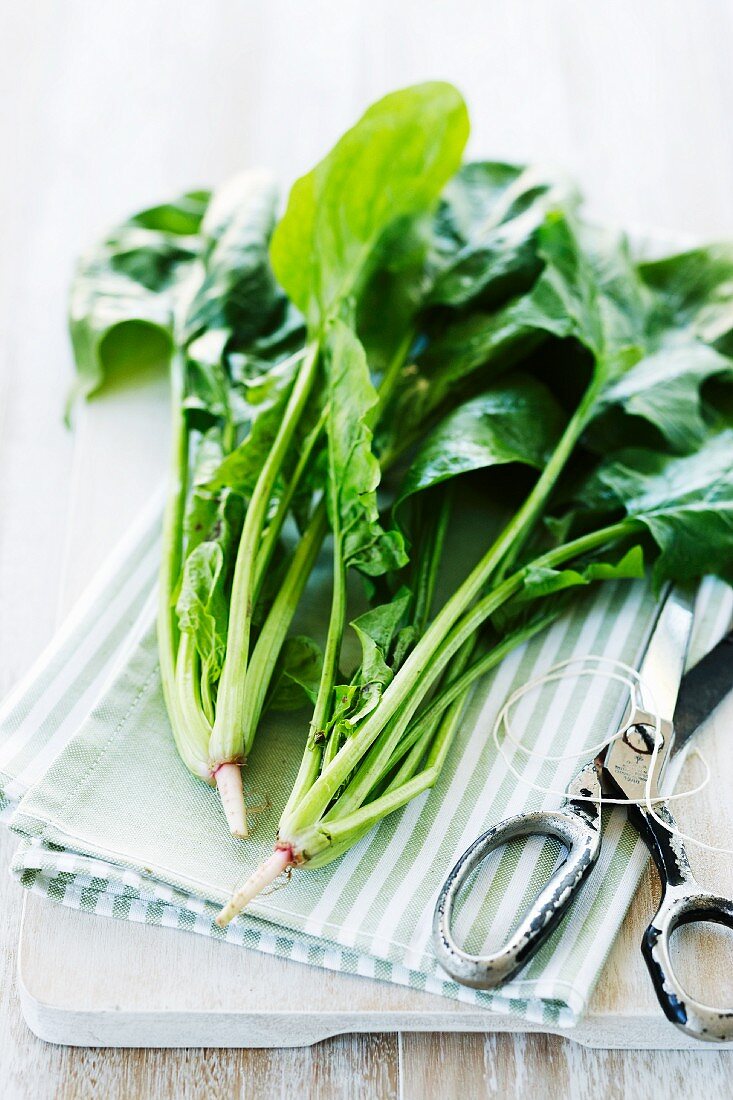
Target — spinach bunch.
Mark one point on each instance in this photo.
(416, 349)
(596, 365)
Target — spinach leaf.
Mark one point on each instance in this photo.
(541, 581)
(393, 163)
(517, 420)
(588, 291)
(203, 602)
(237, 293)
(484, 242)
(202, 505)
(236, 325)
(648, 361)
(384, 635)
(694, 290)
(378, 630)
(392, 296)
(545, 589)
(295, 680)
(354, 472)
(664, 389)
(181, 216)
(479, 249)
(124, 291)
(685, 503)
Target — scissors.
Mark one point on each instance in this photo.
(620, 771)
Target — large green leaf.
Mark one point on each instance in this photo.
(664, 389)
(544, 581)
(202, 505)
(377, 631)
(485, 233)
(552, 586)
(236, 324)
(649, 358)
(690, 314)
(393, 163)
(236, 293)
(695, 289)
(517, 420)
(392, 297)
(588, 291)
(124, 291)
(686, 503)
(479, 248)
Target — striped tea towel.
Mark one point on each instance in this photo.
(113, 824)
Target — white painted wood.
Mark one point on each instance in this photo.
(113, 105)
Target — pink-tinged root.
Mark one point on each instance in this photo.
(264, 876)
(229, 783)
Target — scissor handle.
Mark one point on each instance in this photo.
(683, 902)
(696, 1019)
(576, 828)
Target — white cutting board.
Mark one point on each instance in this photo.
(87, 980)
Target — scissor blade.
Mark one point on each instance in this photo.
(702, 688)
(664, 661)
(626, 763)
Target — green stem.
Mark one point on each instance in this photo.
(191, 740)
(407, 783)
(430, 554)
(207, 698)
(337, 619)
(386, 386)
(424, 586)
(332, 651)
(430, 551)
(331, 746)
(188, 687)
(275, 526)
(363, 819)
(391, 377)
(269, 643)
(458, 687)
(447, 707)
(523, 523)
(227, 738)
(412, 683)
(424, 730)
(310, 765)
(172, 549)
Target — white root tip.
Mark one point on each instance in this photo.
(229, 782)
(265, 874)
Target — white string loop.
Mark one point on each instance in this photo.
(630, 678)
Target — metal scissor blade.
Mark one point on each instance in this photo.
(626, 762)
(664, 661)
(702, 688)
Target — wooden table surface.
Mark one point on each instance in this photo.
(108, 106)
